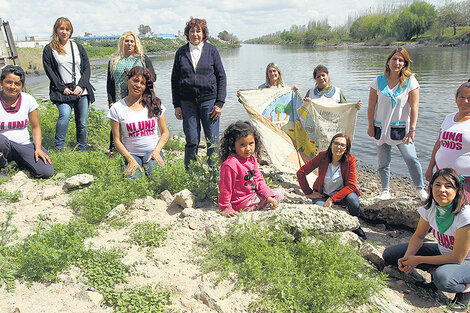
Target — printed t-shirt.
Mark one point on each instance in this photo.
(15, 126)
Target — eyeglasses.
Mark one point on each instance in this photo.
(339, 144)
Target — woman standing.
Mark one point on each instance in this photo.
(198, 85)
(337, 178)
(130, 53)
(324, 90)
(136, 122)
(452, 147)
(19, 109)
(66, 64)
(393, 115)
(447, 215)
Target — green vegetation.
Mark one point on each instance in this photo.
(148, 234)
(140, 299)
(290, 275)
(416, 21)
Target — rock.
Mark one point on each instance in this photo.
(371, 254)
(19, 177)
(394, 272)
(79, 180)
(381, 227)
(144, 204)
(180, 288)
(51, 192)
(205, 298)
(184, 198)
(384, 306)
(118, 210)
(188, 212)
(192, 225)
(395, 212)
(95, 297)
(167, 196)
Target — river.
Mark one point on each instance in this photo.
(439, 70)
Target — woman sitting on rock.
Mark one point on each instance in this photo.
(337, 180)
(19, 109)
(134, 122)
(447, 214)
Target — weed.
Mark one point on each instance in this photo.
(7, 272)
(103, 268)
(289, 276)
(7, 229)
(148, 234)
(176, 145)
(140, 299)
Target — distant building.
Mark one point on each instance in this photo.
(100, 38)
(32, 42)
(166, 36)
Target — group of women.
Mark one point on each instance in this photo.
(198, 81)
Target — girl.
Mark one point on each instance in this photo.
(134, 122)
(67, 66)
(337, 180)
(447, 214)
(241, 185)
(393, 116)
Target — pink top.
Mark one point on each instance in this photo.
(240, 182)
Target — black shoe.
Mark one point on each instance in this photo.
(460, 302)
(427, 286)
(360, 233)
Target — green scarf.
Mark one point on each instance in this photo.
(444, 217)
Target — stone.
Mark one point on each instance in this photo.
(184, 198)
(118, 210)
(370, 253)
(19, 177)
(192, 225)
(95, 297)
(188, 212)
(79, 180)
(205, 298)
(166, 196)
(400, 213)
(51, 192)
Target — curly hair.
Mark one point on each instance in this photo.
(234, 132)
(55, 43)
(405, 72)
(119, 54)
(197, 22)
(149, 99)
(457, 181)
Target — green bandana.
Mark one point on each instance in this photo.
(444, 217)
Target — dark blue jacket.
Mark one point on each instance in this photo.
(206, 83)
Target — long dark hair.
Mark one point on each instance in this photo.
(451, 176)
(346, 151)
(234, 132)
(149, 99)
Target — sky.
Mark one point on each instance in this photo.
(244, 18)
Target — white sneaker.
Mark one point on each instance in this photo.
(422, 194)
(385, 195)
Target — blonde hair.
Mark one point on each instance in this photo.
(405, 72)
(55, 43)
(280, 81)
(119, 54)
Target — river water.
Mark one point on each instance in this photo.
(439, 70)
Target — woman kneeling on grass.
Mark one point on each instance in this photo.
(447, 214)
(134, 121)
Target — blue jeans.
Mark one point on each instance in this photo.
(150, 167)
(408, 152)
(351, 201)
(195, 114)
(447, 277)
(80, 108)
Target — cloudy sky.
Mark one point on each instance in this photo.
(244, 18)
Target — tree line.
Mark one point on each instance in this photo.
(396, 22)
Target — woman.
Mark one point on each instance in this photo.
(336, 181)
(447, 214)
(17, 109)
(66, 64)
(134, 122)
(130, 53)
(324, 90)
(198, 85)
(393, 115)
(452, 147)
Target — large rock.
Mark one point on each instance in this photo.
(78, 181)
(394, 212)
(184, 198)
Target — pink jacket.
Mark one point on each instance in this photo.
(240, 181)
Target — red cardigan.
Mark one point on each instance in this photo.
(348, 171)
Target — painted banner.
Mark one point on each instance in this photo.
(294, 131)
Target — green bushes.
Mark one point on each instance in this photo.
(290, 275)
(148, 234)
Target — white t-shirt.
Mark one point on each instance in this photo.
(446, 240)
(333, 179)
(65, 62)
(196, 52)
(455, 145)
(14, 126)
(140, 134)
(387, 115)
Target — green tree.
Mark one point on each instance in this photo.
(144, 30)
(414, 20)
(451, 15)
